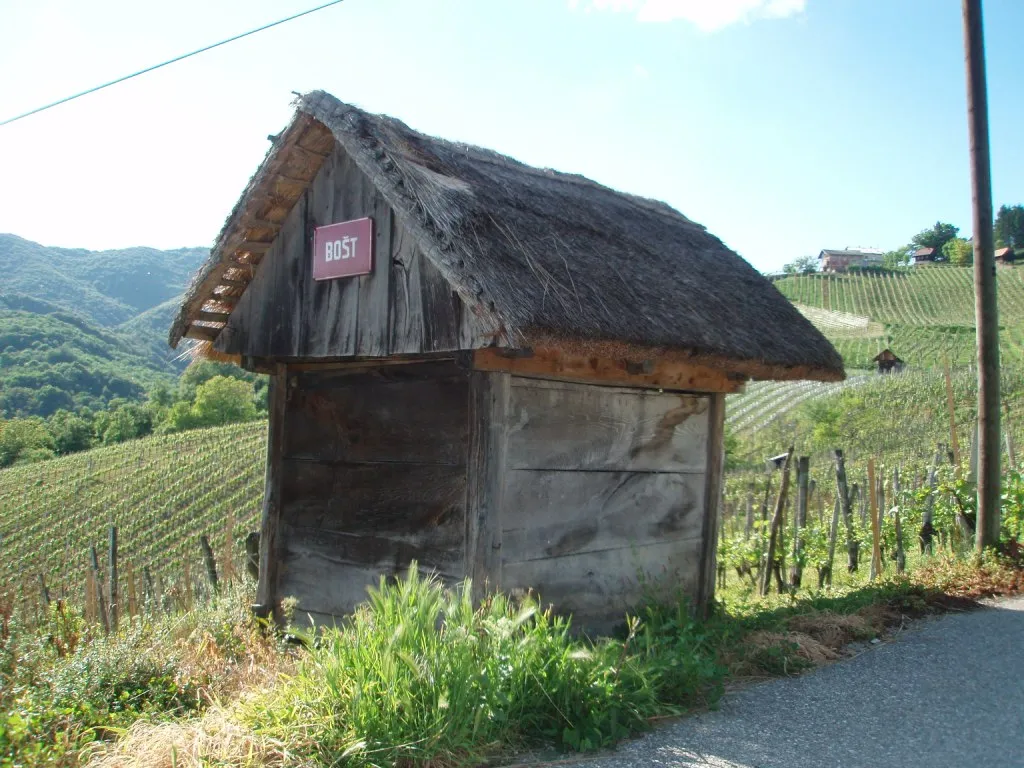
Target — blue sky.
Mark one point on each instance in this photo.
(784, 126)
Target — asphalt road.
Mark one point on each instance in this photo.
(948, 692)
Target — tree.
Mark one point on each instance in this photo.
(958, 251)
(70, 431)
(898, 257)
(223, 400)
(935, 237)
(1009, 228)
(805, 265)
(23, 440)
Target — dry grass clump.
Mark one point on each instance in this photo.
(213, 739)
(798, 644)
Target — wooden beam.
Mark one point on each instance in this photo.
(712, 499)
(253, 246)
(202, 333)
(234, 283)
(256, 221)
(549, 363)
(212, 317)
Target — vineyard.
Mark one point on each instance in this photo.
(924, 314)
(161, 492)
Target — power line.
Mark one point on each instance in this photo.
(169, 61)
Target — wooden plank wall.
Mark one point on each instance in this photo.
(404, 306)
(373, 477)
(603, 483)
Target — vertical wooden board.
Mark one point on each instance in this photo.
(320, 212)
(475, 330)
(266, 591)
(488, 404)
(349, 203)
(556, 513)
(441, 310)
(712, 499)
(372, 339)
(301, 277)
(405, 301)
(557, 425)
(597, 588)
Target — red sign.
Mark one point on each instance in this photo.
(343, 250)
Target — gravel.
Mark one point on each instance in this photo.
(948, 692)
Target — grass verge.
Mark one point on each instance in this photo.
(419, 675)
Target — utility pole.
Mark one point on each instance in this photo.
(986, 311)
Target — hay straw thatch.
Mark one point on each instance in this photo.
(547, 252)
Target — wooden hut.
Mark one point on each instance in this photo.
(1005, 256)
(523, 382)
(887, 362)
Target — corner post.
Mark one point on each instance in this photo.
(712, 501)
(269, 554)
(485, 488)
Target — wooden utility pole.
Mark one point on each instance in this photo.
(985, 309)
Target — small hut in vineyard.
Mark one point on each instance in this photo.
(887, 362)
(501, 372)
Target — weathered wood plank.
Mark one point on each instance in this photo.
(266, 591)
(372, 338)
(330, 573)
(441, 310)
(599, 587)
(406, 299)
(488, 419)
(320, 212)
(556, 363)
(412, 502)
(576, 426)
(373, 419)
(555, 513)
(712, 499)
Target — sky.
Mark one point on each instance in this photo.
(783, 126)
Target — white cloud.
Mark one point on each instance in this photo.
(706, 15)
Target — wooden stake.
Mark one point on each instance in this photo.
(927, 533)
(780, 505)
(114, 601)
(876, 540)
(951, 405)
(825, 575)
(843, 492)
(133, 604)
(211, 565)
(101, 608)
(901, 556)
(803, 471)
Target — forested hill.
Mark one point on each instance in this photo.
(80, 328)
(106, 287)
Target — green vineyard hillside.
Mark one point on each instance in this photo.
(162, 493)
(925, 314)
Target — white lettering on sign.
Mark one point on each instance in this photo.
(341, 249)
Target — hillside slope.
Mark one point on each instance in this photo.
(161, 492)
(924, 314)
(105, 287)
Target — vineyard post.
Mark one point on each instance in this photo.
(90, 597)
(1011, 454)
(45, 590)
(762, 534)
(228, 566)
(211, 565)
(186, 592)
(876, 542)
(954, 440)
(901, 555)
(101, 608)
(133, 601)
(748, 526)
(800, 519)
(825, 574)
(986, 309)
(780, 504)
(927, 528)
(150, 589)
(852, 545)
(114, 597)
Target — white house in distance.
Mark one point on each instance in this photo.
(833, 260)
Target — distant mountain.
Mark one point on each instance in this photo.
(107, 287)
(78, 328)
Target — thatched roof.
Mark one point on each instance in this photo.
(545, 253)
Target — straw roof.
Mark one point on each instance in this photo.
(546, 254)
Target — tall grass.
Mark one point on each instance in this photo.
(420, 675)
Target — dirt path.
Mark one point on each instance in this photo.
(947, 693)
